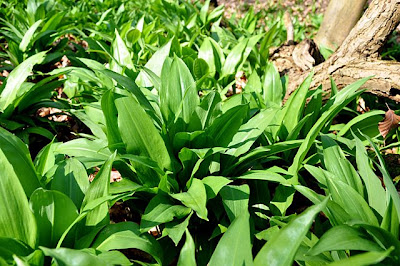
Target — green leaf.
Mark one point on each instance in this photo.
(178, 94)
(336, 163)
(352, 202)
(121, 55)
(195, 198)
(12, 246)
(367, 258)
(234, 58)
(139, 133)
(206, 112)
(344, 97)
(200, 68)
(54, 213)
(234, 248)
(16, 78)
(386, 178)
(161, 210)
(344, 237)
(98, 189)
(29, 35)
(187, 255)
(295, 104)
(262, 152)
(72, 257)
(155, 64)
(90, 153)
(226, 125)
(365, 123)
(212, 53)
(272, 86)
(126, 235)
(71, 179)
(175, 229)
(16, 219)
(17, 155)
(110, 113)
(214, 184)
(282, 248)
(376, 193)
(248, 133)
(235, 200)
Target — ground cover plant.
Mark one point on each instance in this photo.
(158, 133)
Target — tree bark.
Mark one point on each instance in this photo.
(358, 55)
(334, 29)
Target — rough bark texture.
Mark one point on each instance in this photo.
(350, 12)
(358, 56)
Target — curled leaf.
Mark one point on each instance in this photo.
(390, 122)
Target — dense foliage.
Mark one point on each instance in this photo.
(214, 171)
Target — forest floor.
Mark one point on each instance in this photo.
(299, 8)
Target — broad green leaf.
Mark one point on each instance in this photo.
(110, 113)
(390, 221)
(71, 179)
(16, 219)
(235, 200)
(376, 193)
(234, 58)
(176, 229)
(336, 163)
(282, 248)
(266, 175)
(96, 129)
(160, 210)
(367, 258)
(204, 11)
(29, 35)
(90, 152)
(262, 152)
(295, 104)
(178, 94)
(313, 107)
(272, 86)
(344, 237)
(365, 123)
(155, 64)
(195, 198)
(12, 246)
(17, 156)
(98, 189)
(139, 133)
(234, 248)
(351, 201)
(187, 255)
(386, 178)
(54, 213)
(200, 68)
(16, 78)
(344, 97)
(226, 125)
(126, 235)
(121, 55)
(248, 133)
(212, 53)
(130, 85)
(214, 184)
(73, 257)
(206, 112)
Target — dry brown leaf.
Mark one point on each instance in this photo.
(390, 122)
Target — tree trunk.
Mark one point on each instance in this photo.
(335, 28)
(358, 55)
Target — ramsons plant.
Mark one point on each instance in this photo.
(212, 174)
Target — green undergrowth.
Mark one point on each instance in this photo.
(215, 167)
